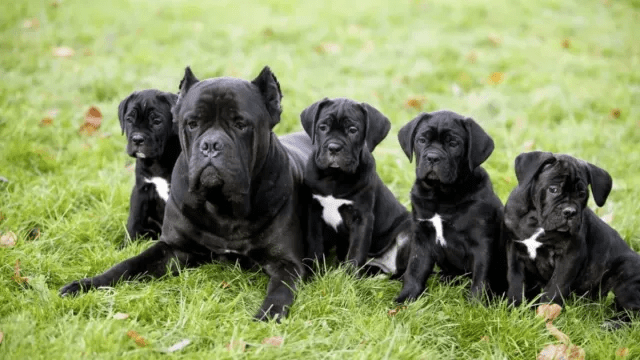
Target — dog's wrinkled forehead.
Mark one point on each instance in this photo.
(221, 97)
(565, 169)
(443, 123)
(342, 112)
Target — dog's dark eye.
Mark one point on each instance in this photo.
(422, 140)
(192, 124)
(323, 127)
(353, 130)
(453, 143)
(157, 121)
(553, 189)
(130, 119)
(240, 125)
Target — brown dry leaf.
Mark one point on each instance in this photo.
(622, 352)
(615, 113)
(528, 145)
(394, 312)
(92, 121)
(548, 311)
(140, 341)
(225, 284)
(120, 316)
(63, 51)
(46, 121)
(608, 218)
(8, 239)
(496, 78)
(31, 24)
(237, 345)
(566, 43)
(273, 341)
(416, 102)
(561, 352)
(494, 40)
(328, 48)
(562, 337)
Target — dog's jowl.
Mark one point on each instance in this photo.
(556, 244)
(457, 216)
(235, 189)
(351, 208)
(152, 138)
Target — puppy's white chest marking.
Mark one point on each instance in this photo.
(436, 221)
(161, 185)
(532, 243)
(330, 206)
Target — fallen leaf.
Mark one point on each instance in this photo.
(548, 311)
(615, 113)
(561, 352)
(416, 102)
(8, 239)
(63, 51)
(140, 341)
(46, 121)
(496, 77)
(273, 341)
(92, 121)
(562, 337)
(225, 284)
(237, 345)
(394, 312)
(120, 316)
(328, 48)
(31, 24)
(566, 43)
(179, 345)
(528, 145)
(494, 40)
(608, 218)
(621, 352)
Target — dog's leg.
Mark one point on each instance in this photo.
(282, 284)
(515, 276)
(138, 213)
(481, 262)
(567, 268)
(420, 267)
(360, 241)
(315, 236)
(151, 262)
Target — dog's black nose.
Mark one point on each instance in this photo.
(137, 139)
(334, 147)
(569, 212)
(210, 147)
(433, 158)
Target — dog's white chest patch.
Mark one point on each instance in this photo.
(532, 243)
(330, 206)
(161, 185)
(436, 221)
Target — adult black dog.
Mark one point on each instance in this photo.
(351, 207)
(152, 138)
(457, 216)
(556, 244)
(235, 189)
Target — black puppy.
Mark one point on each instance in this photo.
(235, 189)
(152, 138)
(457, 216)
(556, 243)
(351, 207)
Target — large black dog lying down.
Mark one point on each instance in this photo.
(556, 243)
(351, 207)
(457, 216)
(152, 138)
(235, 189)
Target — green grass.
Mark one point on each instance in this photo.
(75, 188)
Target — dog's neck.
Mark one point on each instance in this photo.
(337, 182)
(163, 164)
(438, 195)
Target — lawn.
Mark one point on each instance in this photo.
(561, 76)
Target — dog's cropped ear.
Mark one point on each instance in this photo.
(601, 183)
(480, 144)
(187, 81)
(407, 134)
(271, 95)
(528, 164)
(309, 117)
(122, 108)
(377, 126)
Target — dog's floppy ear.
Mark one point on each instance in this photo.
(480, 144)
(272, 96)
(122, 108)
(407, 134)
(377, 126)
(601, 183)
(528, 164)
(168, 98)
(309, 117)
(187, 81)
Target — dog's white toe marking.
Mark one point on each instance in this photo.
(330, 206)
(436, 221)
(532, 243)
(387, 260)
(161, 185)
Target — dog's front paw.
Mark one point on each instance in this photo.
(75, 287)
(408, 294)
(271, 312)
